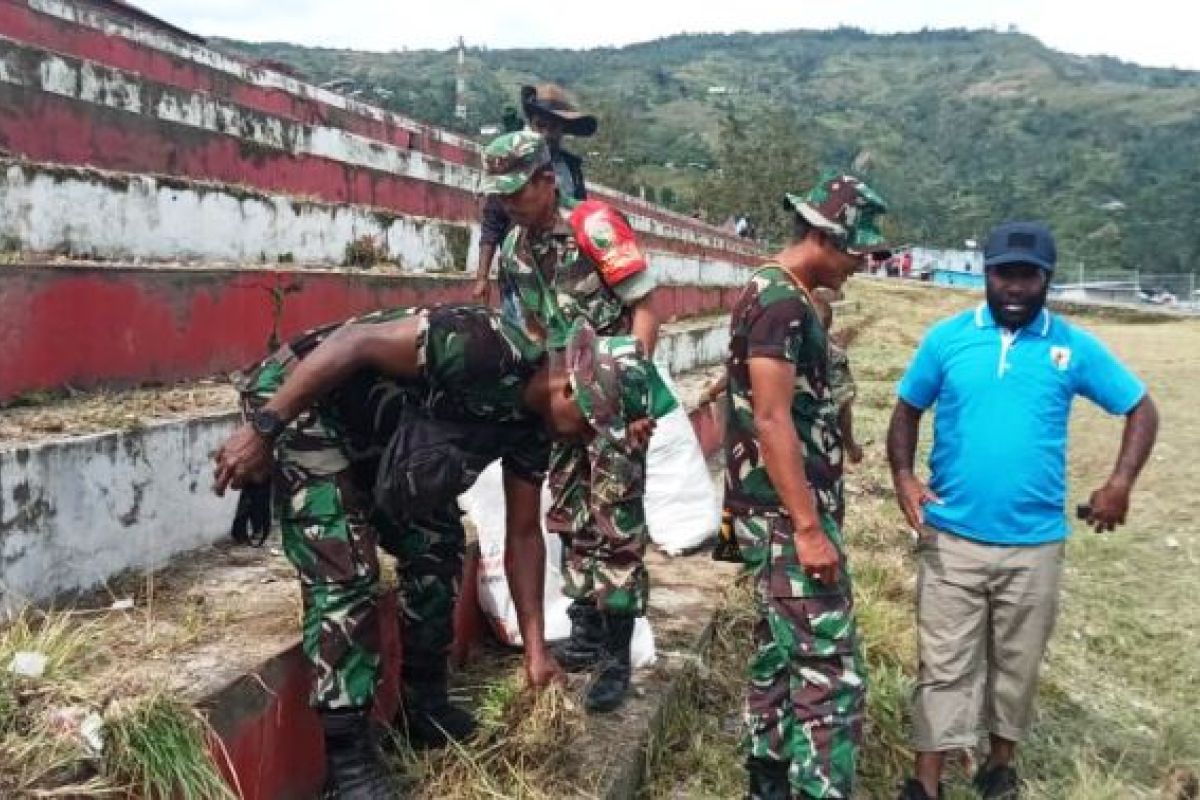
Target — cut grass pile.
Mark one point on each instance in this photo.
(525, 747)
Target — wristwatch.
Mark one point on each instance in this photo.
(267, 423)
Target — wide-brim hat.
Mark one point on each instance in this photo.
(552, 100)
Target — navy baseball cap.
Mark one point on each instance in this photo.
(1020, 243)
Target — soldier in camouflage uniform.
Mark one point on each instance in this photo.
(841, 380)
(572, 262)
(783, 486)
(322, 409)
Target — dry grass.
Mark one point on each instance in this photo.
(152, 746)
(525, 748)
(1120, 692)
(138, 670)
(41, 415)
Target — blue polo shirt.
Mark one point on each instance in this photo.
(1000, 426)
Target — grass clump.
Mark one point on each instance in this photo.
(158, 748)
(524, 748)
(152, 746)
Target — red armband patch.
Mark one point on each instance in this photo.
(606, 237)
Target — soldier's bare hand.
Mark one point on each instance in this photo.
(911, 494)
(854, 452)
(818, 557)
(244, 458)
(541, 670)
(1109, 506)
(639, 432)
(481, 292)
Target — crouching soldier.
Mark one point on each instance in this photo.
(369, 430)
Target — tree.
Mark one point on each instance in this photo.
(760, 158)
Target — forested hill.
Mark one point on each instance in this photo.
(957, 128)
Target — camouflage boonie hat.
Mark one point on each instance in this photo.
(610, 379)
(844, 207)
(510, 161)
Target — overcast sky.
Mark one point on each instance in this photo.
(1152, 32)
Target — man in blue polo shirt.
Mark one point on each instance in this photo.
(1002, 377)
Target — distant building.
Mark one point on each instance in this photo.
(947, 267)
(718, 90)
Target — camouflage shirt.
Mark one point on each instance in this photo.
(474, 367)
(841, 379)
(588, 266)
(773, 318)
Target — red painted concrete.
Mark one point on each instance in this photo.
(108, 325)
(59, 130)
(23, 24)
(163, 70)
(269, 739)
(44, 127)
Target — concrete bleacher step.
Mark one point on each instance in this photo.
(97, 484)
(219, 625)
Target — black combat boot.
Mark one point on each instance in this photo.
(354, 769)
(585, 648)
(611, 680)
(427, 715)
(768, 779)
(913, 790)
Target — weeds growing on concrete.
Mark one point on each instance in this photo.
(158, 748)
(151, 746)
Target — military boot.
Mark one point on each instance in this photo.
(611, 680)
(354, 769)
(768, 780)
(585, 648)
(427, 715)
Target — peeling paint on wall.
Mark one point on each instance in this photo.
(79, 511)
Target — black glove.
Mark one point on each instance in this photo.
(252, 521)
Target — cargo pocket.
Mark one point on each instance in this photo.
(786, 577)
(817, 626)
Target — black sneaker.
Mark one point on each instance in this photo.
(913, 790)
(998, 783)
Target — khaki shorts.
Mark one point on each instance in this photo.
(984, 615)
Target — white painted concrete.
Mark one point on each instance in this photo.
(93, 214)
(207, 57)
(113, 88)
(76, 512)
(124, 91)
(87, 214)
(686, 346)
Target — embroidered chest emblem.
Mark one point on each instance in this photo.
(1060, 357)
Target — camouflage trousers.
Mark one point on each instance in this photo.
(805, 698)
(330, 534)
(598, 513)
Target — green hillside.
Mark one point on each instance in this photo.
(959, 129)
